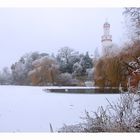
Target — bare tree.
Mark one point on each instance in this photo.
(65, 53)
(133, 14)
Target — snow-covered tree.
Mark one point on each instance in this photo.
(64, 54)
(86, 62)
(18, 72)
(5, 76)
(133, 19)
(66, 58)
(77, 69)
(45, 71)
(21, 68)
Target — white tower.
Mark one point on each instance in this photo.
(106, 39)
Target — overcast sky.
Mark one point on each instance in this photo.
(24, 30)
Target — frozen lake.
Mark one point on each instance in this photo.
(30, 109)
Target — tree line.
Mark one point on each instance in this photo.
(68, 67)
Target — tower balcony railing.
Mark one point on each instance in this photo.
(106, 38)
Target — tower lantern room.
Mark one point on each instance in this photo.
(106, 27)
(106, 38)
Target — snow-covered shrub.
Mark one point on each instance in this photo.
(123, 116)
(89, 83)
(66, 79)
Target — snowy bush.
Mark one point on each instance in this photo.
(89, 84)
(123, 116)
(66, 79)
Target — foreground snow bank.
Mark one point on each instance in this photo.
(30, 109)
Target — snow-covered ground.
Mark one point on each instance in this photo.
(30, 109)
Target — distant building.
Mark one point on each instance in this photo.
(96, 53)
(106, 39)
(96, 56)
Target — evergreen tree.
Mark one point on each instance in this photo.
(86, 62)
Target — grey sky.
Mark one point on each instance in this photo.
(24, 30)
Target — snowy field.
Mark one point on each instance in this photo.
(30, 109)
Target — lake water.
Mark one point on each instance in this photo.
(30, 109)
